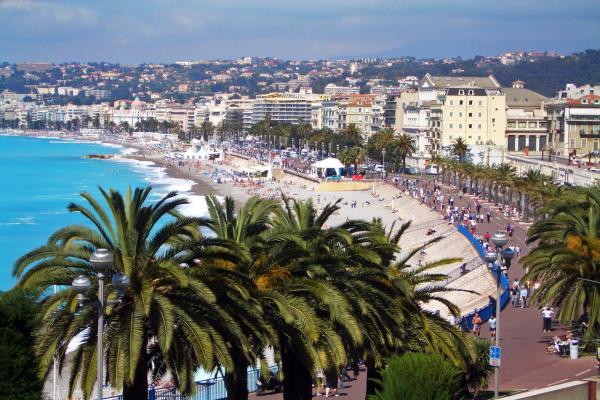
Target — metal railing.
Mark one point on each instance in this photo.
(208, 389)
(487, 311)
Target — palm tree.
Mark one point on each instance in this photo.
(207, 129)
(245, 229)
(168, 320)
(460, 148)
(568, 253)
(477, 368)
(403, 146)
(384, 138)
(299, 270)
(352, 135)
(352, 156)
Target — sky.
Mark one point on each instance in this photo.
(135, 31)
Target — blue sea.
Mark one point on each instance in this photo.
(39, 177)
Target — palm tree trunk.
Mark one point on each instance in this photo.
(526, 208)
(236, 381)
(373, 377)
(297, 380)
(496, 196)
(138, 390)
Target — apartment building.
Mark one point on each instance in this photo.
(475, 114)
(293, 108)
(526, 123)
(572, 91)
(333, 89)
(364, 111)
(182, 114)
(574, 125)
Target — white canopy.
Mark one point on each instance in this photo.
(328, 163)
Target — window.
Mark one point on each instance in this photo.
(478, 137)
(478, 126)
(451, 102)
(470, 115)
(460, 114)
(595, 144)
(571, 143)
(479, 115)
(522, 124)
(521, 143)
(461, 102)
(532, 143)
(493, 120)
(533, 125)
(459, 126)
(583, 143)
(470, 102)
(461, 92)
(471, 92)
(511, 124)
(451, 113)
(450, 137)
(511, 143)
(543, 124)
(480, 102)
(470, 126)
(450, 126)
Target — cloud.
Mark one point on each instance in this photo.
(141, 30)
(37, 12)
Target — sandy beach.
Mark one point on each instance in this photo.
(391, 204)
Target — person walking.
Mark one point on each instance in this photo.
(477, 325)
(492, 324)
(523, 294)
(514, 296)
(547, 313)
(331, 383)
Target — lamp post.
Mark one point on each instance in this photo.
(499, 239)
(383, 162)
(102, 261)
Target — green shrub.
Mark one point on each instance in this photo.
(419, 376)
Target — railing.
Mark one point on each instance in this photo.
(208, 389)
(487, 311)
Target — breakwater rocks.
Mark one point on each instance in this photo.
(100, 156)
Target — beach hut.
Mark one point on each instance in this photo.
(327, 167)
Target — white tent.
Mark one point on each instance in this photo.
(320, 167)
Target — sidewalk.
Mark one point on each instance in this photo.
(525, 364)
(353, 390)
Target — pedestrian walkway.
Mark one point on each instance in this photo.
(525, 363)
(353, 390)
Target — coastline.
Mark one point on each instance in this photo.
(135, 152)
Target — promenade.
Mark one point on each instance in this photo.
(525, 364)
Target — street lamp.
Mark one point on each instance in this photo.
(383, 161)
(499, 240)
(102, 261)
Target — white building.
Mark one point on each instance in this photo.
(333, 89)
(294, 108)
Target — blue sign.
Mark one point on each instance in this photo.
(495, 356)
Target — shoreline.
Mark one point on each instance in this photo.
(136, 152)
